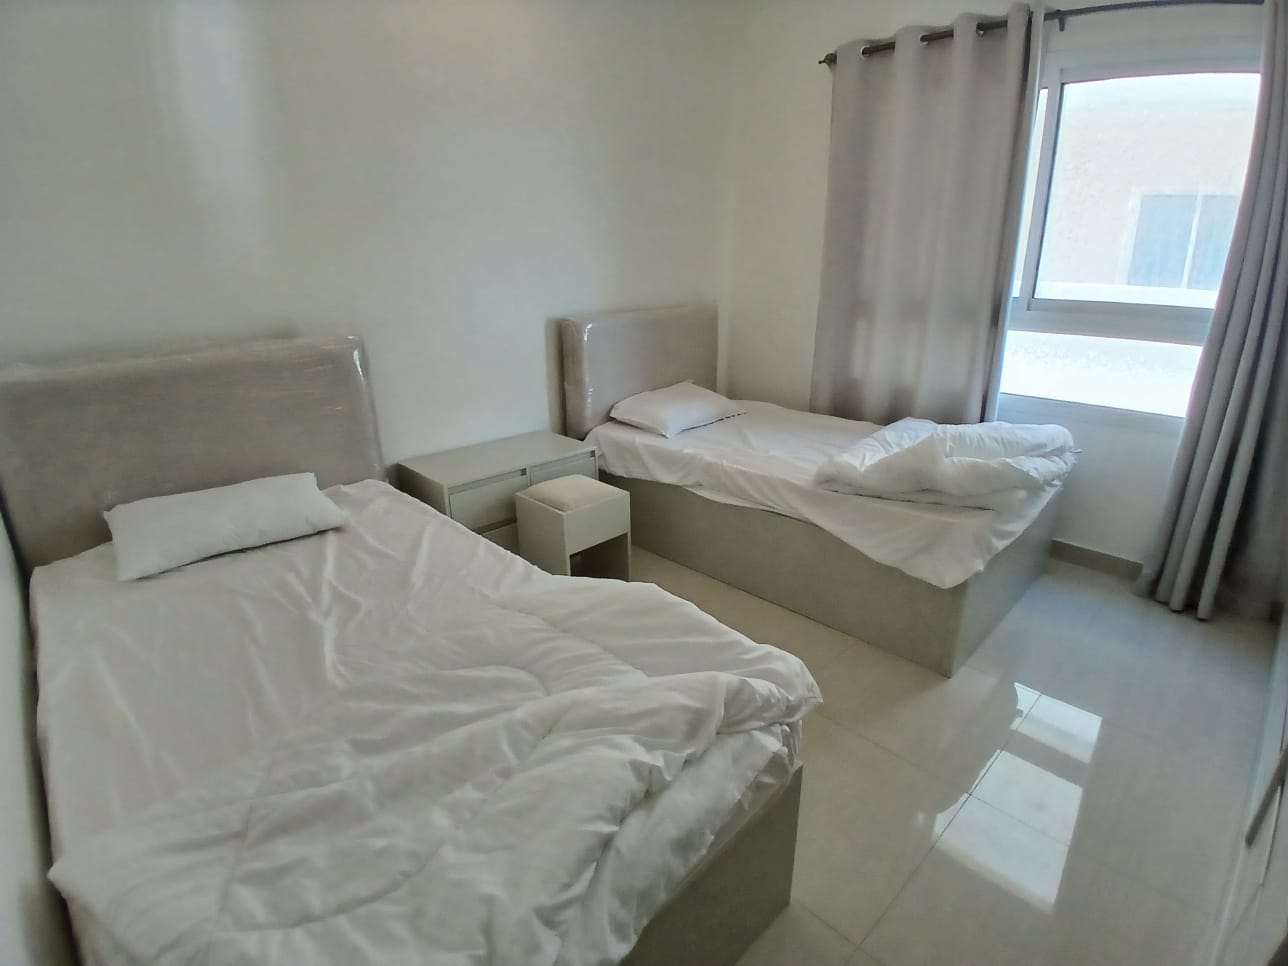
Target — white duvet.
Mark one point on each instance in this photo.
(463, 788)
(988, 465)
(769, 459)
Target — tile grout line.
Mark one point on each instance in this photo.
(804, 907)
(827, 925)
(876, 923)
(935, 841)
(1104, 611)
(923, 769)
(875, 959)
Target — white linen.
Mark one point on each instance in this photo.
(674, 409)
(768, 459)
(159, 694)
(160, 533)
(986, 465)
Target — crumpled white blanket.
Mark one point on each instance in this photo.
(986, 465)
(429, 814)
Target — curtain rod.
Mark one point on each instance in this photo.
(1056, 16)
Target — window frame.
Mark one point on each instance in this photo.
(1122, 320)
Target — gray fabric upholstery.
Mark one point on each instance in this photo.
(33, 920)
(78, 439)
(1223, 522)
(609, 356)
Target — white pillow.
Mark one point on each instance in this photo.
(164, 532)
(674, 409)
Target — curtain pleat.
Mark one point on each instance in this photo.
(1222, 532)
(928, 141)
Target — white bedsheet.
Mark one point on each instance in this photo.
(768, 458)
(171, 694)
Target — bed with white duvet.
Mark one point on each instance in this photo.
(740, 498)
(771, 458)
(390, 742)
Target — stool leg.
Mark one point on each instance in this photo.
(622, 557)
(541, 539)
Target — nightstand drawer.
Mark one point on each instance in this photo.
(583, 463)
(488, 504)
(475, 485)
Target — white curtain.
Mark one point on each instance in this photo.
(924, 193)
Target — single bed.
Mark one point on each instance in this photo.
(213, 718)
(736, 500)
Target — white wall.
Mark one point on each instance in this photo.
(1112, 500)
(440, 177)
(444, 177)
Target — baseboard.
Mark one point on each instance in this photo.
(1095, 560)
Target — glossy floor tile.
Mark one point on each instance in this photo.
(1071, 796)
(868, 819)
(951, 727)
(996, 891)
(798, 936)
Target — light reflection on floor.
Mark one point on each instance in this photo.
(1030, 793)
(1060, 800)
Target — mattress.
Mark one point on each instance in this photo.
(767, 458)
(150, 687)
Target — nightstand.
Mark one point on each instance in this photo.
(576, 526)
(475, 485)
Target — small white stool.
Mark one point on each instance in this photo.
(576, 517)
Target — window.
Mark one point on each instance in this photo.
(1131, 199)
(1151, 377)
(1180, 244)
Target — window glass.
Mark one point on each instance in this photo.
(1152, 377)
(1144, 188)
(1213, 230)
(1030, 182)
(1164, 232)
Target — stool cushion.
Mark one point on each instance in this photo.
(570, 492)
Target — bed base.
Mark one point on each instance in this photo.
(805, 569)
(733, 897)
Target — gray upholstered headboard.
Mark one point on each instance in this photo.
(77, 439)
(609, 356)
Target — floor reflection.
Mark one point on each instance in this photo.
(1029, 867)
(979, 821)
(1037, 779)
(1063, 728)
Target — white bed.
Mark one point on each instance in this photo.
(225, 658)
(390, 742)
(736, 501)
(766, 458)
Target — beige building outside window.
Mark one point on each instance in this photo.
(1132, 193)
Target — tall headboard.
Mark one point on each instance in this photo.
(79, 438)
(609, 356)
